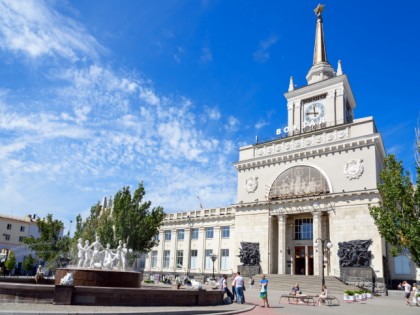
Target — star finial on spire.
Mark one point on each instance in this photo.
(319, 9)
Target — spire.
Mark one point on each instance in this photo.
(320, 53)
(321, 69)
(291, 85)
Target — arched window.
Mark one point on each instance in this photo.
(299, 181)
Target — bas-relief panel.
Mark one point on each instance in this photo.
(304, 142)
(299, 181)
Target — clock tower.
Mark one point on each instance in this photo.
(327, 100)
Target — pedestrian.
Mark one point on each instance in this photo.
(239, 286)
(263, 291)
(414, 291)
(323, 295)
(226, 289)
(233, 286)
(407, 291)
(251, 282)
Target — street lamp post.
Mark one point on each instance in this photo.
(329, 245)
(213, 259)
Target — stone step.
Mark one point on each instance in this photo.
(308, 284)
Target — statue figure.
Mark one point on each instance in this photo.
(80, 253)
(117, 260)
(354, 253)
(88, 254)
(108, 256)
(124, 252)
(96, 254)
(250, 254)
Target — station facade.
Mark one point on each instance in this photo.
(312, 185)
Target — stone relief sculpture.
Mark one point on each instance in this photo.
(249, 254)
(251, 184)
(98, 257)
(354, 253)
(353, 169)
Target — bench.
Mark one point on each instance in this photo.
(305, 299)
(331, 300)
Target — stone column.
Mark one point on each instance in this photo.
(174, 240)
(160, 251)
(187, 250)
(282, 246)
(218, 238)
(202, 249)
(317, 233)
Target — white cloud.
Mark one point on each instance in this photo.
(260, 124)
(36, 30)
(262, 54)
(96, 128)
(206, 55)
(232, 124)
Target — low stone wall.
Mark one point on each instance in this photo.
(26, 293)
(106, 296)
(101, 277)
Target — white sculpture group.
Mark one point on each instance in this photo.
(96, 256)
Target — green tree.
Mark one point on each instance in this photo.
(50, 246)
(28, 264)
(398, 214)
(10, 263)
(131, 220)
(136, 223)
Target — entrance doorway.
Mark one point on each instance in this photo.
(304, 260)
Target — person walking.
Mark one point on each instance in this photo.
(263, 291)
(414, 292)
(407, 291)
(234, 287)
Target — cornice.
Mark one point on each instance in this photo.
(304, 147)
(298, 205)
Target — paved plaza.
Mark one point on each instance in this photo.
(385, 305)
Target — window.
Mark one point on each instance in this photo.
(225, 231)
(179, 258)
(166, 257)
(304, 229)
(194, 234)
(167, 235)
(9, 226)
(180, 235)
(22, 228)
(209, 232)
(224, 259)
(209, 263)
(21, 238)
(156, 237)
(153, 262)
(7, 237)
(402, 265)
(194, 264)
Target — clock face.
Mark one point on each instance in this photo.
(314, 112)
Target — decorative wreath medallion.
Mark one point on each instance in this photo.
(251, 184)
(354, 169)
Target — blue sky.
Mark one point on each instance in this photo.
(97, 95)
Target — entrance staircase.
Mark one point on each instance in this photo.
(307, 284)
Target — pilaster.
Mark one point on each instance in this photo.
(282, 244)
